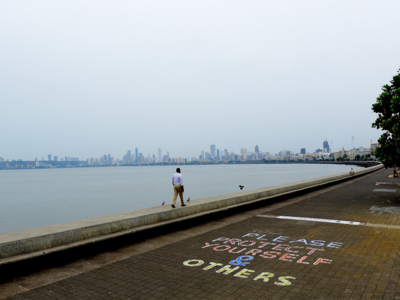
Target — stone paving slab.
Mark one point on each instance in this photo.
(265, 258)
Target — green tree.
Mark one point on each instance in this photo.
(387, 107)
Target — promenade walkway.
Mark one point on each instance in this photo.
(341, 242)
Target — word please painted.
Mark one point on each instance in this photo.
(287, 239)
(243, 273)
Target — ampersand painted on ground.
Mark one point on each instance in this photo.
(240, 259)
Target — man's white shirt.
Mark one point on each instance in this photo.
(177, 179)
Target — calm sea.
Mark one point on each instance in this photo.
(35, 198)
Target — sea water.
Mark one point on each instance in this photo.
(41, 197)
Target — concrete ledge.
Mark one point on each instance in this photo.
(30, 243)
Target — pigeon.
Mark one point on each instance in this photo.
(241, 187)
(188, 199)
(163, 203)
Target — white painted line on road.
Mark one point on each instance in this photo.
(388, 183)
(311, 219)
(332, 221)
(384, 190)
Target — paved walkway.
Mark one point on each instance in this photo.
(337, 243)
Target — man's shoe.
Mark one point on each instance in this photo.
(183, 205)
(173, 206)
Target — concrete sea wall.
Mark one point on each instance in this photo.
(31, 243)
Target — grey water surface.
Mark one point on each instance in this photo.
(35, 198)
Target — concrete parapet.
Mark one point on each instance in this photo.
(30, 243)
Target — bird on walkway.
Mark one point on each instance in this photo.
(241, 187)
(188, 199)
(163, 203)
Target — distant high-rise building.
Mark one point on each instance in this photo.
(140, 158)
(159, 155)
(136, 154)
(303, 151)
(218, 154)
(257, 150)
(326, 146)
(373, 147)
(55, 158)
(212, 150)
(128, 156)
(49, 157)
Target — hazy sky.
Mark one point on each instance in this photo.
(87, 78)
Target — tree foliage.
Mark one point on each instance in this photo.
(387, 107)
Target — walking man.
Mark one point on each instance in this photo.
(177, 183)
(351, 171)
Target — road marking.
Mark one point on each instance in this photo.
(384, 190)
(332, 221)
(311, 219)
(388, 183)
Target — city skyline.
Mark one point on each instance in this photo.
(214, 154)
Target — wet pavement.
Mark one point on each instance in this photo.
(341, 242)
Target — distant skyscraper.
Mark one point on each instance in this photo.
(136, 154)
(217, 154)
(326, 146)
(212, 150)
(55, 158)
(159, 155)
(49, 156)
(303, 151)
(257, 150)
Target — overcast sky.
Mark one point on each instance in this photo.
(87, 78)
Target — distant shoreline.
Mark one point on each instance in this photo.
(23, 165)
